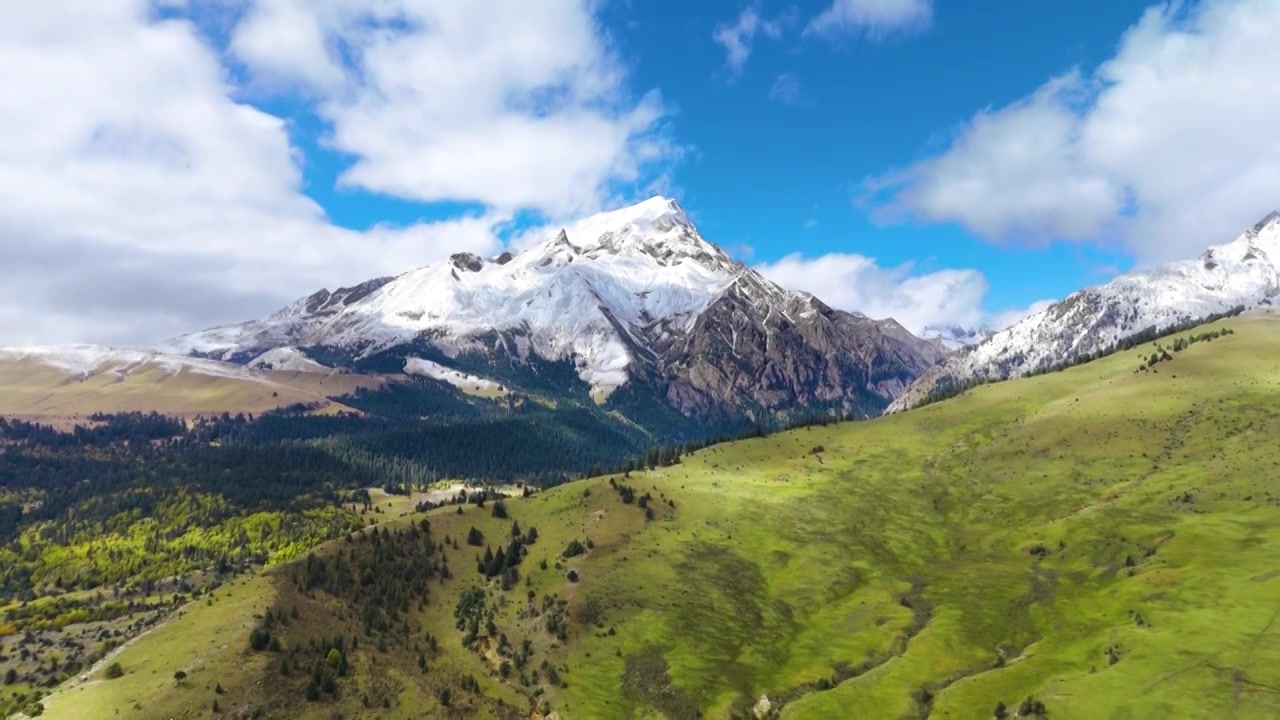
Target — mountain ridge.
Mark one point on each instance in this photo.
(633, 299)
(1244, 272)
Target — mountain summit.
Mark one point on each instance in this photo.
(1242, 273)
(633, 298)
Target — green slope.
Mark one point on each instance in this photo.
(1104, 540)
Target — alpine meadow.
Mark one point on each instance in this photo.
(612, 360)
(941, 562)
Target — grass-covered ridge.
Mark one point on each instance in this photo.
(1099, 540)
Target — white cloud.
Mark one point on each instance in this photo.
(1017, 172)
(786, 89)
(1168, 147)
(143, 197)
(509, 103)
(875, 18)
(284, 42)
(858, 284)
(738, 38)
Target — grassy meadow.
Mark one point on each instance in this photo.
(1102, 541)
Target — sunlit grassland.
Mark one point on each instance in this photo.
(206, 641)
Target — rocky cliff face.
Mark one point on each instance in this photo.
(758, 347)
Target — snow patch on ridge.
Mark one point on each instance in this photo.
(85, 361)
(287, 358)
(456, 378)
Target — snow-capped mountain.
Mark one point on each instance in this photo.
(956, 337)
(631, 298)
(1244, 272)
(640, 267)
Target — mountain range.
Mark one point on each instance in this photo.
(634, 312)
(1244, 273)
(632, 309)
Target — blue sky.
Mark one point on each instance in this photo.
(938, 161)
(765, 168)
(766, 174)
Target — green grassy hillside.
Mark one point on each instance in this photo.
(1095, 543)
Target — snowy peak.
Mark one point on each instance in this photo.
(1256, 250)
(657, 228)
(588, 292)
(653, 221)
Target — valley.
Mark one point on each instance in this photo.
(1095, 542)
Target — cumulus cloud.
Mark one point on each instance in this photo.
(874, 18)
(144, 196)
(738, 38)
(1167, 148)
(858, 284)
(508, 103)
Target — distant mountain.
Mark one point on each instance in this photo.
(955, 337)
(631, 307)
(1244, 272)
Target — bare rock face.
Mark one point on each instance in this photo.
(760, 350)
(466, 261)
